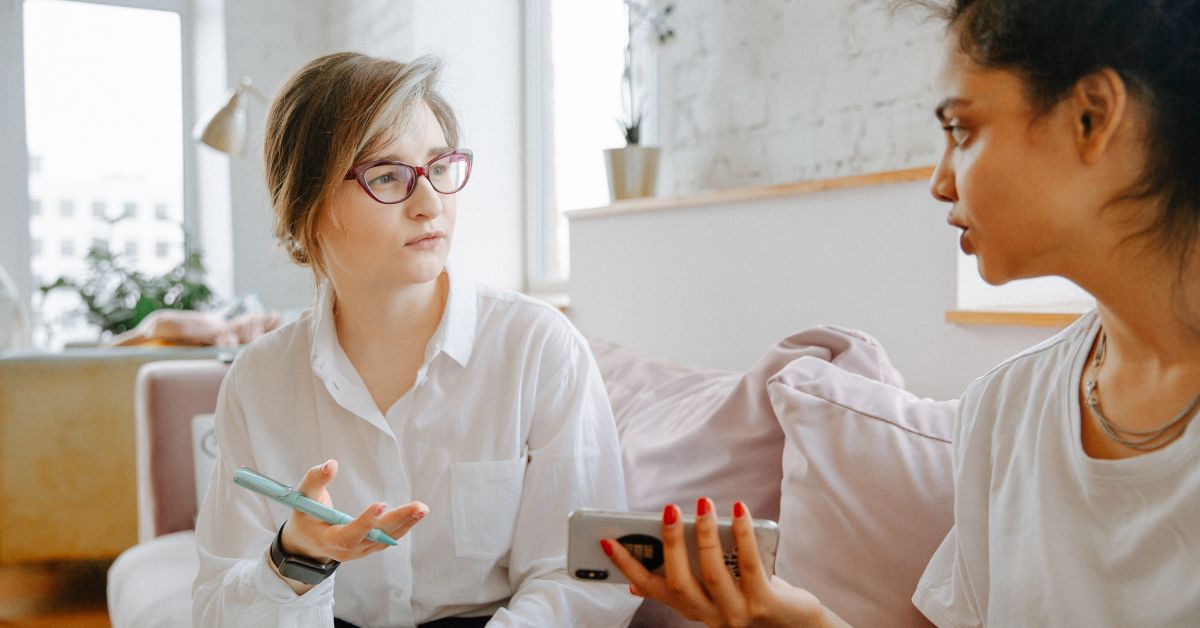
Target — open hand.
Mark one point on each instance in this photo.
(308, 536)
(716, 598)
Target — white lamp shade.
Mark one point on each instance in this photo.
(225, 128)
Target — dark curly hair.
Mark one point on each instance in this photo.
(1154, 45)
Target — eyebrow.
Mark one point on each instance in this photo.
(940, 110)
(430, 154)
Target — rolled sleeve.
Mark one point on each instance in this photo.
(235, 586)
(574, 462)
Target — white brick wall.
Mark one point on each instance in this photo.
(761, 92)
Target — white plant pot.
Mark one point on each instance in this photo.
(632, 171)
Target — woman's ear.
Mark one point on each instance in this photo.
(1098, 101)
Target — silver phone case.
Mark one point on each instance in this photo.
(587, 562)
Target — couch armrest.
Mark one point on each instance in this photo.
(169, 394)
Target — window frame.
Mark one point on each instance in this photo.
(16, 244)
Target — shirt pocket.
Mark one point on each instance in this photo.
(486, 497)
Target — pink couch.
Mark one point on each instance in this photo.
(864, 467)
(149, 585)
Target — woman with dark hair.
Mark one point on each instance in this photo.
(1071, 139)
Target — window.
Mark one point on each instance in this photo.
(160, 212)
(162, 249)
(1043, 294)
(132, 52)
(35, 207)
(574, 102)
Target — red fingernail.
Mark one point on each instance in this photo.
(739, 509)
(702, 507)
(670, 515)
(607, 547)
(379, 509)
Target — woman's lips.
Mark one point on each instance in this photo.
(964, 242)
(427, 241)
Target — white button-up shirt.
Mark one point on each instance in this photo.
(506, 430)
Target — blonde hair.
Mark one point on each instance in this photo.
(328, 117)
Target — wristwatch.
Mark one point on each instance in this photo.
(299, 568)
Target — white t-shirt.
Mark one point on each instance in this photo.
(1045, 535)
(505, 432)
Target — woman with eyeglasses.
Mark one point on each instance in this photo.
(463, 421)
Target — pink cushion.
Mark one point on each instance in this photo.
(867, 492)
(687, 433)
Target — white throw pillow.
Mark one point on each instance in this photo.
(867, 492)
(204, 453)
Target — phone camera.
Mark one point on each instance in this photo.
(591, 574)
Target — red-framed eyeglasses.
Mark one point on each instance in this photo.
(391, 182)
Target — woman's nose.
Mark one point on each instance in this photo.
(425, 202)
(941, 184)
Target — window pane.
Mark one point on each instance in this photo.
(1029, 295)
(587, 54)
(129, 134)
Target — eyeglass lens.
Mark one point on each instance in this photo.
(394, 182)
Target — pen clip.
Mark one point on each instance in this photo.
(253, 479)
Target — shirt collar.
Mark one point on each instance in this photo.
(455, 334)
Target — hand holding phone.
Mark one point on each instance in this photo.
(641, 535)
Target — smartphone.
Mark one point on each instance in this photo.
(641, 534)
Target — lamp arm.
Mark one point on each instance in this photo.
(248, 87)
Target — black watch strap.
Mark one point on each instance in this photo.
(299, 568)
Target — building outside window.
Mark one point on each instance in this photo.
(94, 47)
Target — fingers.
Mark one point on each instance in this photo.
(316, 479)
(677, 566)
(713, 572)
(633, 569)
(398, 521)
(350, 536)
(754, 576)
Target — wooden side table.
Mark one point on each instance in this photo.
(67, 455)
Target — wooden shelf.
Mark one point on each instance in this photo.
(1011, 318)
(657, 203)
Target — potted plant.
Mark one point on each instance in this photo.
(633, 169)
(118, 297)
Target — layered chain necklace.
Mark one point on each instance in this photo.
(1149, 440)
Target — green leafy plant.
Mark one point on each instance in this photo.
(117, 297)
(641, 15)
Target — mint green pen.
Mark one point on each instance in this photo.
(290, 497)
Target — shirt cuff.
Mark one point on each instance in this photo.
(271, 586)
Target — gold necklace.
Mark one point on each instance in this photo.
(1148, 440)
